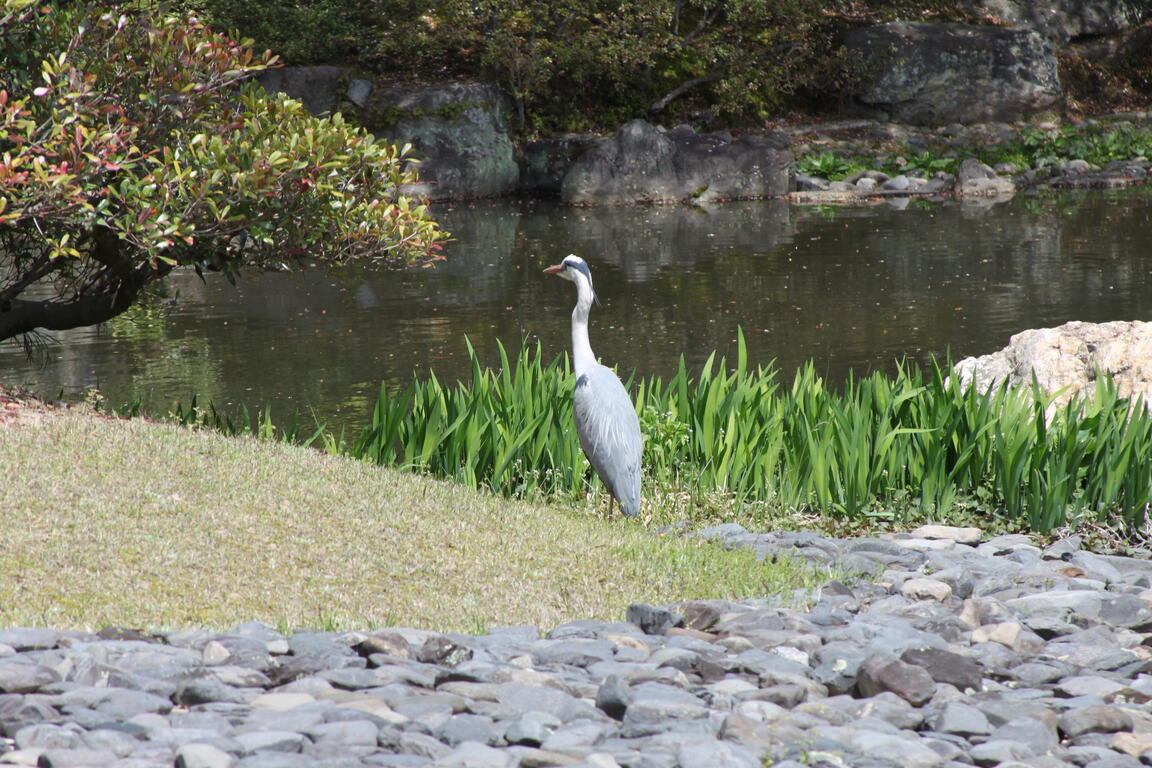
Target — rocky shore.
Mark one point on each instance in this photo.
(884, 142)
(952, 650)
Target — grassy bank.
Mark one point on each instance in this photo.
(139, 524)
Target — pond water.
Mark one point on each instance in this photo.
(848, 288)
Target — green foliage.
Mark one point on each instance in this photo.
(131, 147)
(1098, 144)
(927, 163)
(509, 430)
(829, 165)
(581, 64)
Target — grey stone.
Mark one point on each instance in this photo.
(576, 653)
(764, 663)
(613, 697)
(934, 73)
(947, 667)
(115, 702)
(961, 719)
(118, 742)
(1106, 719)
(351, 678)
(1127, 611)
(653, 620)
(48, 736)
(203, 691)
(422, 745)
(839, 663)
(961, 535)
(996, 752)
(1090, 685)
(1063, 20)
(271, 741)
(520, 699)
(473, 755)
(275, 760)
(358, 91)
(718, 754)
(244, 651)
(891, 709)
(315, 87)
(29, 638)
(575, 736)
(274, 642)
(76, 758)
(388, 643)
(1039, 673)
(898, 183)
(459, 132)
(882, 672)
(976, 178)
(532, 728)
(1032, 732)
(349, 732)
(811, 183)
(701, 614)
(21, 677)
(467, 727)
(644, 163)
(203, 756)
(443, 650)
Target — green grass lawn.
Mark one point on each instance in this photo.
(131, 523)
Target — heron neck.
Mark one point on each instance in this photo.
(583, 358)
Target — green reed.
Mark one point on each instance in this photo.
(913, 442)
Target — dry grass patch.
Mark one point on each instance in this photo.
(138, 524)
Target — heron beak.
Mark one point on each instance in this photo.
(555, 270)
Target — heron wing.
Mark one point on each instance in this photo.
(610, 433)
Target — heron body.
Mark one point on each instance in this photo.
(605, 418)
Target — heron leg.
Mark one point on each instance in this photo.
(611, 501)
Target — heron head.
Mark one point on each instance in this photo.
(575, 269)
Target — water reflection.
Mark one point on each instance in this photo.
(850, 288)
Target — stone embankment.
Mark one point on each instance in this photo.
(460, 135)
(953, 651)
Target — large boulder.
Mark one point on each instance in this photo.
(1066, 360)
(458, 132)
(320, 89)
(643, 163)
(935, 74)
(1062, 21)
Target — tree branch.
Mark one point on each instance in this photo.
(676, 92)
(124, 284)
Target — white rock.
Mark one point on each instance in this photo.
(215, 653)
(1005, 632)
(926, 545)
(281, 702)
(926, 589)
(954, 533)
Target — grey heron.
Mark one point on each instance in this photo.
(605, 417)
